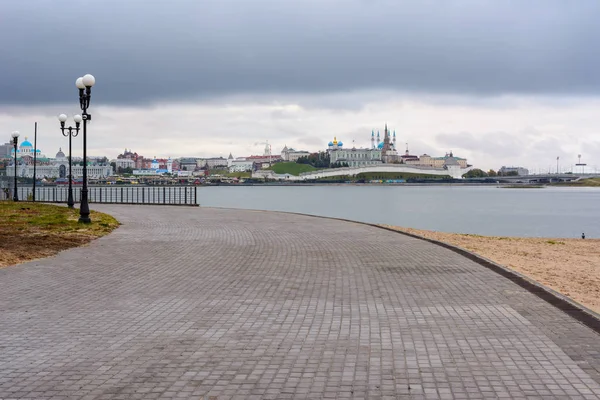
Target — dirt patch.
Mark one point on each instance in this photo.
(30, 231)
(569, 266)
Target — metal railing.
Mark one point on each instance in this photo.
(166, 195)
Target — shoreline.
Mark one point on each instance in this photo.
(569, 266)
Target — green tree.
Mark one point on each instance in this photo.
(475, 173)
(317, 160)
(491, 172)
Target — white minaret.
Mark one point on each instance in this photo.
(170, 165)
(372, 139)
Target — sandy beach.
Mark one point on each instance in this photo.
(569, 266)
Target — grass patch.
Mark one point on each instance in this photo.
(29, 231)
(554, 242)
(589, 182)
(240, 174)
(371, 176)
(292, 168)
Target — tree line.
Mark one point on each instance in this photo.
(478, 173)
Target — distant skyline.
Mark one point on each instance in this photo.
(500, 84)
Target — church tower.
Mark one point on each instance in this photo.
(386, 139)
(388, 154)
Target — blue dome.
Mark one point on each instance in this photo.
(330, 144)
(340, 144)
(380, 145)
(26, 143)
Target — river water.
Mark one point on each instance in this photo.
(546, 212)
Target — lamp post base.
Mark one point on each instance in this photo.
(84, 209)
(70, 202)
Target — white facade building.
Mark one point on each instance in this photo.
(292, 155)
(52, 168)
(241, 166)
(124, 163)
(353, 157)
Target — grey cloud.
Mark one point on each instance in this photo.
(513, 148)
(149, 51)
(491, 143)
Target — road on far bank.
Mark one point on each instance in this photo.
(191, 302)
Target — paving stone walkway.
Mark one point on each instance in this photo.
(207, 303)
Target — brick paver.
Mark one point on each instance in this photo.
(206, 303)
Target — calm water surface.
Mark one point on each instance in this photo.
(547, 212)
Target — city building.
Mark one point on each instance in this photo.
(512, 170)
(438, 162)
(353, 157)
(384, 151)
(188, 163)
(291, 155)
(214, 163)
(6, 150)
(123, 163)
(138, 160)
(241, 166)
(57, 167)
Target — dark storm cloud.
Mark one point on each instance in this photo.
(151, 50)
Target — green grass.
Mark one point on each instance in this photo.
(589, 182)
(32, 230)
(292, 168)
(369, 176)
(239, 174)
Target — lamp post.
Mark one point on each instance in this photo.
(71, 133)
(84, 84)
(15, 138)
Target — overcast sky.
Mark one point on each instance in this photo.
(501, 83)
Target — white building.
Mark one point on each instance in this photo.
(292, 155)
(124, 163)
(58, 168)
(353, 157)
(241, 166)
(216, 162)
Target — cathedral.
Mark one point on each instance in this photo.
(57, 167)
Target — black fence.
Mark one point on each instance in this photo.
(111, 194)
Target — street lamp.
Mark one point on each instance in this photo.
(84, 84)
(15, 138)
(71, 133)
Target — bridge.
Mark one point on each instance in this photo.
(542, 178)
(454, 171)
